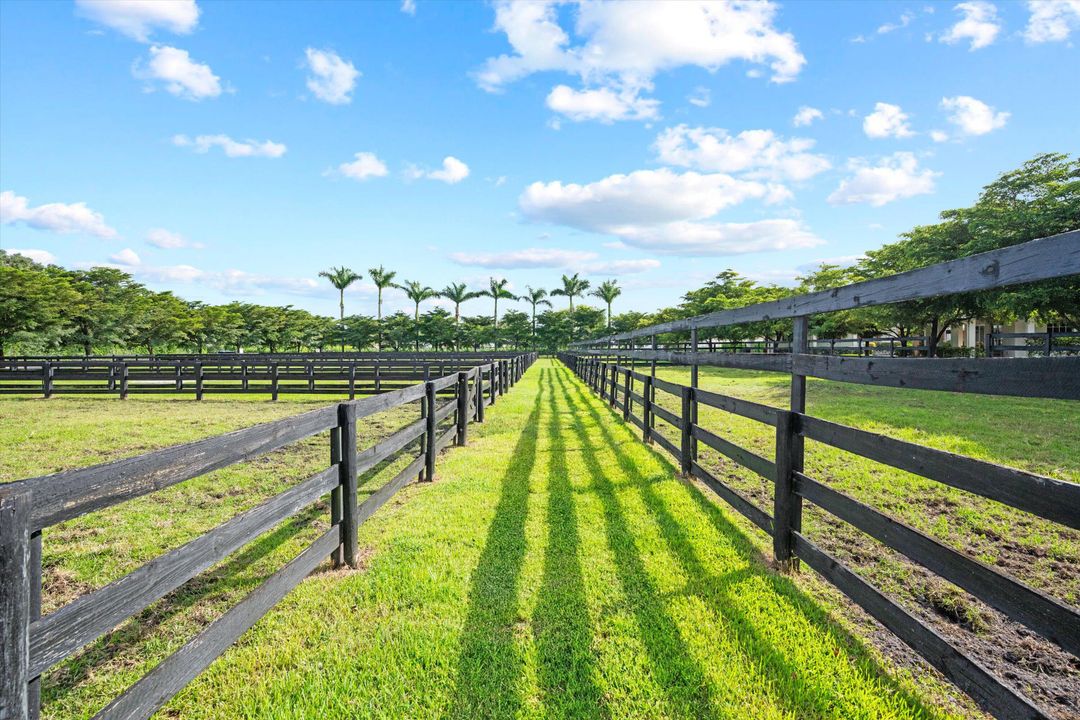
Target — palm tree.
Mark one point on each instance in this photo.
(534, 298)
(497, 289)
(458, 293)
(572, 287)
(417, 293)
(608, 291)
(341, 278)
(383, 279)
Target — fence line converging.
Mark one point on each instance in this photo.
(609, 366)
(31, 644)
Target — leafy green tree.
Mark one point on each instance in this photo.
(458, 293)
(161, 320)
(496, 291)
(103, 315)
(477, 331)
(534, 298)
(437, 328)
(360, 330)
(399, 330)
(213, 326)
(627, 321)
(516, 328)
(573, 287)
(32, 301)
(607, 291)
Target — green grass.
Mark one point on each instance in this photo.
(556, 568)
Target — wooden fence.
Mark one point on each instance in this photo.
(30, 644)
(199, 375)
(603, 366)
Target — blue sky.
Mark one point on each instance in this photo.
(233, 150)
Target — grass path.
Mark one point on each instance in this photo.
(557, 568)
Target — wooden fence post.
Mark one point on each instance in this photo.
(462, 408)
(626, 396)
(244, 376)
(429, 447)
(478, 392)
(787, 506)
(274, 381)
(352, 379)
(687, 417)
(47, 379)
(310, 371)
(179, 373)
(347, 480)
(337, 504)
(378, 378)
(123, 381)
(694, 385)
(198, 380)
(646, 410)
(15, 612)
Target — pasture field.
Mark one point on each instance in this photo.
(556, 568)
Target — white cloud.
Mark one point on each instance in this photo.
(972, 116)
(1052, 20)
(408, 7)
(181, 76)
(760, 153)
(43, 257)
(895, 177)
(577, 260)
(605, 104)
(905, 20)
(525, 258)
(332, 78)
(939, 136)
(453, 171)
(138, 18)
(366, 165)
(701, 97)
(231, 148)
(887, 121)
(665, 211)
(127, 257)
(162, 238)
(806, 116)
(620, 47)
(53, 217)
(979, 24)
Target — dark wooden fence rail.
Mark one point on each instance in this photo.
(231, 374)
(609, 366)
(30, 644)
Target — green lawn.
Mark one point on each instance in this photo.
(557, 568)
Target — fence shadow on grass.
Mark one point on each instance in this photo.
(795, 690)
(489, 667)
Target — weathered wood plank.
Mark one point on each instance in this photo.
(1056, 500)
(740, 504)
(665, 443)
(69, 494)
(755, 411)
(994, 697)
(155, 688)
(1040, 612)
(59, 634)
(15, 610)
(756, 463)
(667, 416)
(377, 499)
(1046, 258)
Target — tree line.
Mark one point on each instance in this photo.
(46, 308)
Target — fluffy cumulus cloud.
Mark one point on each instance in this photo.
(978, 25)
(139, 18)
(887, 121)
(894, 177)
(452, 171)
(1052, 20)
(66, 219)
(619, 47)
(363, 166)
(181, 76)
(166, 240)
(126, 257)
(806, 115)
(665, 211)
(971, 116)
(39, 256)
(332, 78)
(231, 148)
(577, 260)
(603, 104)
(759, 153)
